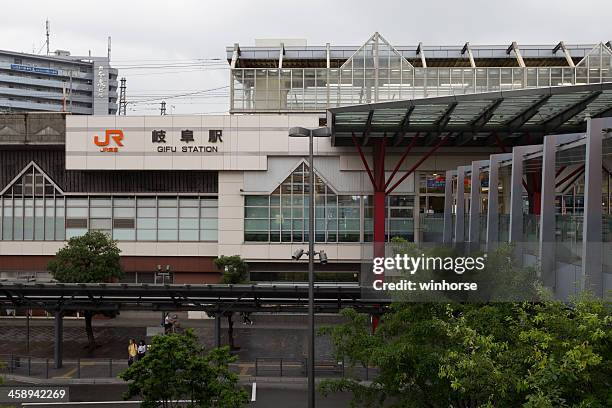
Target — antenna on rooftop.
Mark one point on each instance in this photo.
(48, 29)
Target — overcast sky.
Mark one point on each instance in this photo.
(181, 32)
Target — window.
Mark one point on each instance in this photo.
(399, 218)
(283, 215)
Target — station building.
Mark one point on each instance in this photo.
(178, 191)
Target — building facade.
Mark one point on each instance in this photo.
(57, 83)
(178, 191)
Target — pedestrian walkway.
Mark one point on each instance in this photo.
(109, 369)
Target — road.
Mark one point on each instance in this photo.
(266, 395)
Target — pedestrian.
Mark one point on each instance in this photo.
(132, 352)
(141, 350)
(246, 318)
(167, 324)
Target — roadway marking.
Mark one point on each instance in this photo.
(91, 403)
(244, 368)
(253, 392)
(70, 373)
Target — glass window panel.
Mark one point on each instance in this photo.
(206, 223)
(76, 212)
(255, 225)
(123, 202)
(167, 202)
(76, 202)
(146, 234)
(124, 212)
(168, 212)
(75, 232)
(188, 223)
(188, 212)
(146, 212)
(189, 202)
(208, 235)
(96, 223)
(100, 212)
(146, 202)
(256, 200)
(209, 212)
(256, 212)
(146, 223)
(124, 234)
(188, 235)
(167, 235)
(168, 223)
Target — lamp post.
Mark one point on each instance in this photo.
(163, 276)
(310, 134)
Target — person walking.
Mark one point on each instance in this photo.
(132, 352)
(246, 318)
(141, 350)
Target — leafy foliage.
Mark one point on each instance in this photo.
(90, 258)
(547, 354)
(176, 367)
(235, 269)
(537, 354)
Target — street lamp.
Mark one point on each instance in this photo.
(163, 276)
(310, 134)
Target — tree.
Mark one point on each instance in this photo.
(177, 367)
(537, 354)
(90, 258)
(235, 271)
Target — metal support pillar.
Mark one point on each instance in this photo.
(217, 333)
(475, 199)
(547, 213)
(460, 207)
(447, 235)
(379, 197)
(516, 198)
(592, 255)
(493, 200)
(59, 339)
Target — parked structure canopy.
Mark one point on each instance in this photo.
(508, 118)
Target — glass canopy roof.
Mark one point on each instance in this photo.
(508, 117)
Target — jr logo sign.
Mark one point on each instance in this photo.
(115, 135)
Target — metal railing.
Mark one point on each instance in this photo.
(80, 368)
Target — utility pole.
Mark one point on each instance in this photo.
(163, 108)
(48, 29)
(122, 98)
(109, 48)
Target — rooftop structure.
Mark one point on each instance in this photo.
(315, 78)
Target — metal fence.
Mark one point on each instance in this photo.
(37, 367)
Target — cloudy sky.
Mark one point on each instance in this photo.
(170, 48)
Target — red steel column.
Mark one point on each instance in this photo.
(379, 197)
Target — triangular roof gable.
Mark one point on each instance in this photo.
(29, 167)
(294, 168)
(598, 51)
(385, 49)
